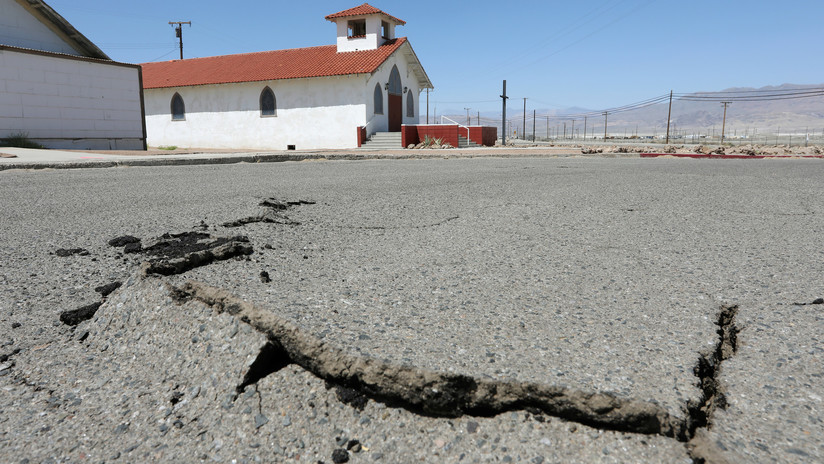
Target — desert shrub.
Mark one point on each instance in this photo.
(19, 140)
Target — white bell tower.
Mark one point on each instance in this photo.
(363, 28)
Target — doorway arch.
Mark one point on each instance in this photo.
(395, 98)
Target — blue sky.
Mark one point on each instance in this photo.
(595, 54)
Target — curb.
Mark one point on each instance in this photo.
(280, 158)
(711, 156)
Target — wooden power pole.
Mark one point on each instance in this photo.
(724, 123)
(178, 25)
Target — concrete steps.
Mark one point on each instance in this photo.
(383, 141)
(463, 142)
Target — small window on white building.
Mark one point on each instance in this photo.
(268, 104)
(384, 29)
(410, 105)
(178, 108)
(378, 99)
(357, 28)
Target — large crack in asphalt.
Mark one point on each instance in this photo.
(713, 396)
(426, 392)
(449, 395)
(437, 394)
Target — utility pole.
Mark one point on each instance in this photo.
(427, 106)
(669, 115)
(533, 126)
(524, 129)
(479, 118)
(564, 130)
(178, 25)
(573, 130)
(724, 123)
(468, 122)
(503, 117)
(605, 126)
(585, 128)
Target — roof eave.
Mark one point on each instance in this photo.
(416, 66)
(63, 28)
(257, 80)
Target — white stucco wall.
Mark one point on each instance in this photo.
(311, 113)
(19, 28)
(62, 102)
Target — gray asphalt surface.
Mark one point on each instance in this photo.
(587, 275)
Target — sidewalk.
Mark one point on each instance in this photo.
(25, 158)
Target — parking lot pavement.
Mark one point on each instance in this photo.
(644, 302)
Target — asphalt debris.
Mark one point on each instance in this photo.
(178, 253)
(66, 252)
(107, 289)
(340, 456)
(83, 313)
(351, 396)
(273, 213)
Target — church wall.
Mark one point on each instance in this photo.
(381, 76)
(70, 103)
(311, 113)
(18, 28)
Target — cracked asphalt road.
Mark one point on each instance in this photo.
(589, 276)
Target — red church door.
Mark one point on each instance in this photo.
(395, 100)
(395, 112)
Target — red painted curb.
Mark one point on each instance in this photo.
(711, 156)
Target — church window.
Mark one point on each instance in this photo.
(357, 28)
(395, 85)
(378, 100)
(178, 108)
(268, 104)
(410, 105)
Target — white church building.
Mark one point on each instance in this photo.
(331, 96)
(59, 89)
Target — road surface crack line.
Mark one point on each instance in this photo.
(713, 393)
(423, 226)
(426, 392)
(273, 213)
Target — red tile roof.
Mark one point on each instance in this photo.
(365, 9)
(264, 66)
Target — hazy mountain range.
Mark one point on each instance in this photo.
(790, 116)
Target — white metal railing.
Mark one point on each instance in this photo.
(453, 122)
(459, 125)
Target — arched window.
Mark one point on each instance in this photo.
(378, 99)
(178, 108)
(395, 85)
(410, 105)
(268, 104)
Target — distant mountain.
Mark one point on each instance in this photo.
(790, 116)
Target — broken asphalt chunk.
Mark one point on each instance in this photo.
(83, 313)
(106, 290)
(66, 252)
(177, 258)
(123, 240)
